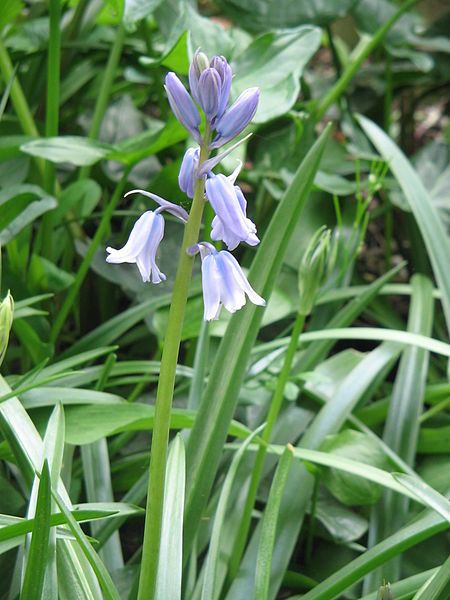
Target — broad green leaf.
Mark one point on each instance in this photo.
(269, 525)
(427, 217)
(36, 565)
(10, 10)
(135, 10)
(216, 410)
(49, 396)
(274, 62)
(260, 15)
(86, 424)
(170, 563)
(350, 490)
(78, 151)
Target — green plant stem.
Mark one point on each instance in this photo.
(163, 406)
(19, 101)
(105, 90)
(86, 262)
(258, 467)
(341, 85)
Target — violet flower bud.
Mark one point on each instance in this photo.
(236, 118)
(223, 282)
(189, 171)
(182, 105)
(230, 224)
(199, 63)
(209, 91)
(220, 64)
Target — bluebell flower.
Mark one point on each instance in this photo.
(223, 282)
(145, 237)
(188, 174)
(230, 224)
(141, 247)
(183, 106)
(210, 84)
(236, 118)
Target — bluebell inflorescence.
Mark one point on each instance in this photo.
(224, 283)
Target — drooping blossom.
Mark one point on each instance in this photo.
(223, 282)
(188, 171)
(230, 224)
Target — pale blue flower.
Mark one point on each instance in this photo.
(223, 282)
(210, 84)
(142, 245)
(230, 224)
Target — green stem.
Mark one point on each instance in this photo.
(272, 416)
(51, 114)
(341, 85)
(86, 262)
(19, 101)
(163, 406)
(105, 90)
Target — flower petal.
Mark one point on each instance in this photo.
(136, 241)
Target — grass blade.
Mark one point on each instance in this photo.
(269, 524)
(33, 582)
(168, 582)
(438, 585)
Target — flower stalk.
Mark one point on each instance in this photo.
(164, 396)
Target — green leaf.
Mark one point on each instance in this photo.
(269, 524)
(170, 564)
(36, 565)
(423, 527)
(86, 424)
(78, 151)
(10, 10)
(135, 10)
(403, 590)
(20, 206)
(219, 399)
(427, 217)
(353, 491)
(426, 493)
(274, 62)
(210, 588)
(437, 586)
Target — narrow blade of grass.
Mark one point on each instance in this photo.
(33, 581)
(269, 525)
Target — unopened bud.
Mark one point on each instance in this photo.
(209, 92)
(384, 593)
(182, 105)
(6, 319)
(188, 172)
(199, 63)
(237, 117)
(313, 269)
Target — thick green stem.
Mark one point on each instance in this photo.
(86, 262)
(18, 99)
(341, 85)
(163, 406)
(272, 416)
(105, 90)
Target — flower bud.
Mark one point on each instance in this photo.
(313, 269)
(237, 117)
(384, 593)
(6, 319)
(182, 105)
(209, 91)
(199, 63)
(188, 171)
(220, 64)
